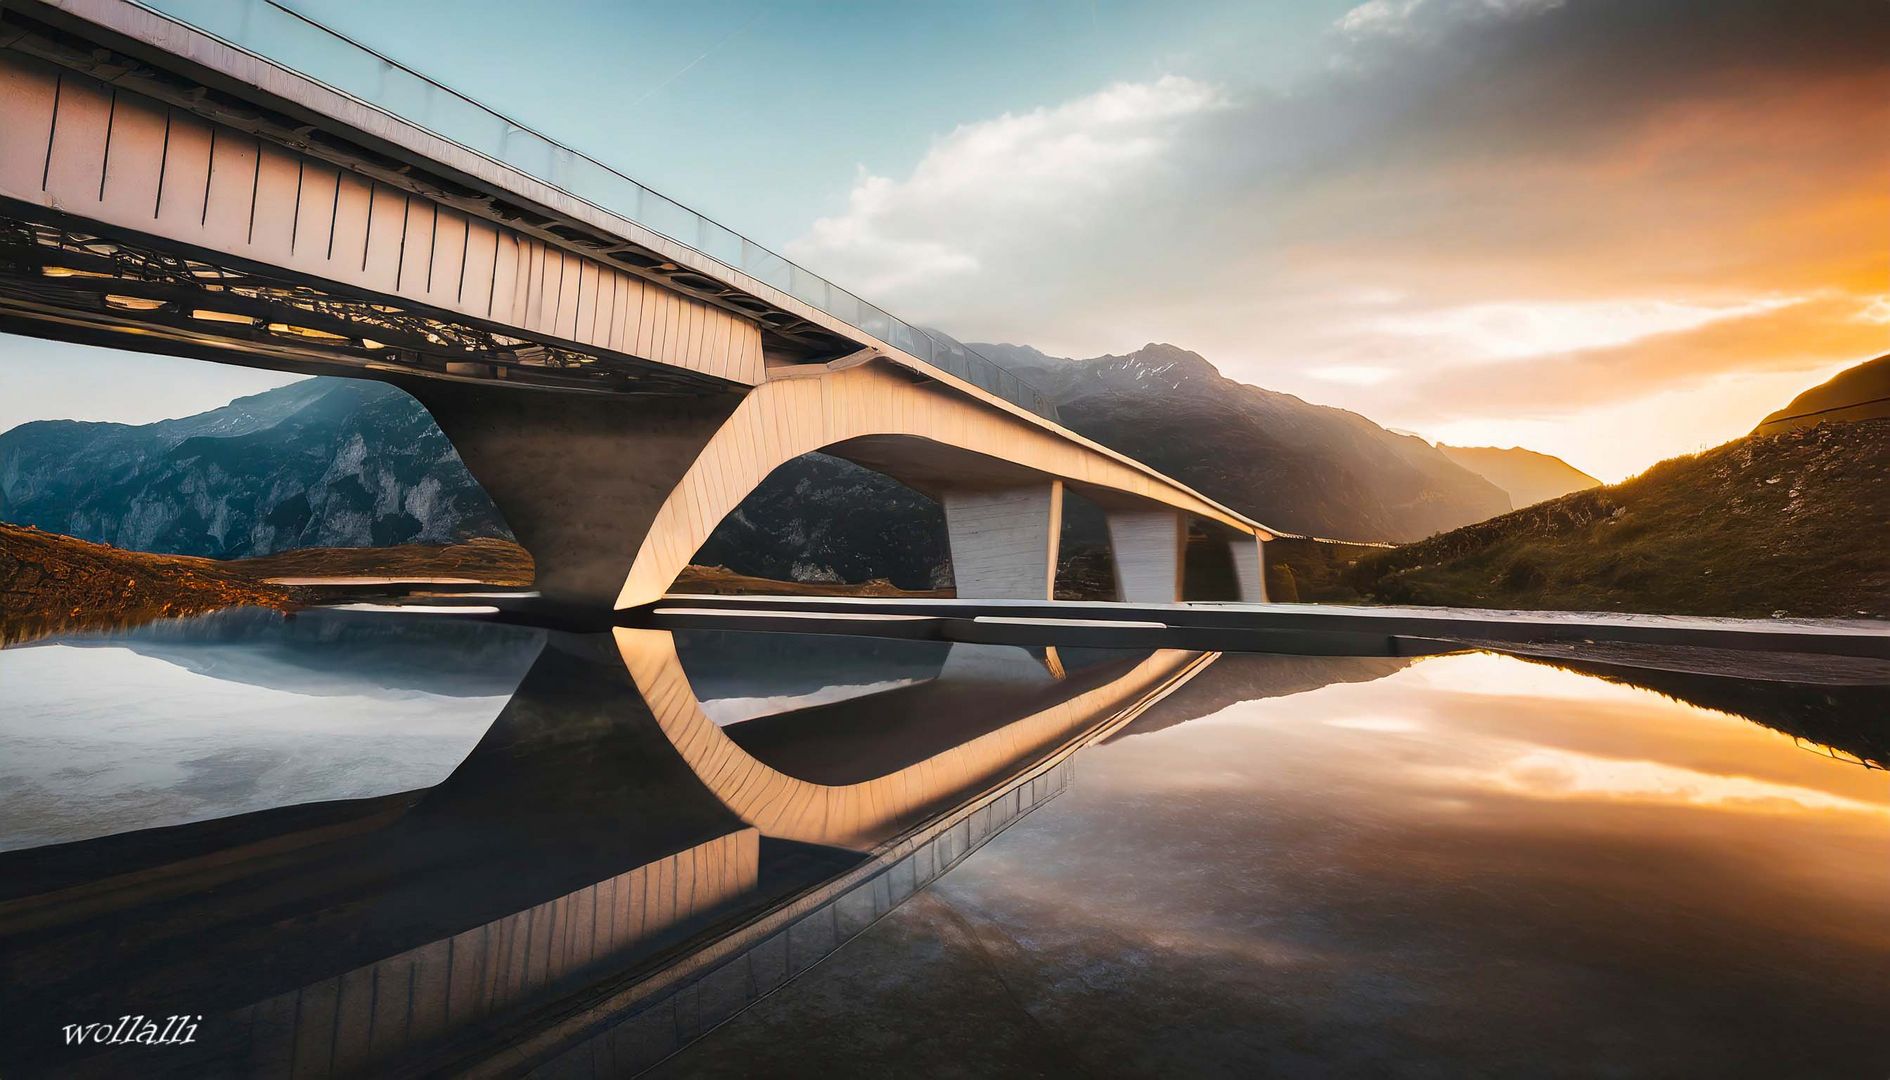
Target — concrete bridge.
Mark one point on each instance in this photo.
(617, 371)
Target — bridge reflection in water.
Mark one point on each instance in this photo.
(609, 871)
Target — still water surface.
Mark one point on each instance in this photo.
(1462, 865)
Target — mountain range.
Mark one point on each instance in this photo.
(1294, 465)
(317, 463)
(347, 463)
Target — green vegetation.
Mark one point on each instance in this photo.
(1792, 523)
(1314, 571)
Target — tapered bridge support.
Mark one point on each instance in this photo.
(1250, 568)
(1004, 540)
(1148, 548)
(579, 478)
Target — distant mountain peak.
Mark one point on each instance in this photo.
(1284, 461)
(1528, 476)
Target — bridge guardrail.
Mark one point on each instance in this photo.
(282, 36)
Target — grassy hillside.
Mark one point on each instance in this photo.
(1856, 393)
(1793, 522)
(1314, 571)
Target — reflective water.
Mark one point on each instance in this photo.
(361, 842)
(357, 841)
(240, 711)
(1464, 865)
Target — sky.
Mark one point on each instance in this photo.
(1612, 230)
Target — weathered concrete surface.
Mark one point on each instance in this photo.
(1004, 542)
(578, 477)
(1146, 547)
(1250, 568)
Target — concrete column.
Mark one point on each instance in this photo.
(1149, 550)
(1004, 540)
(1250, 568)
(578, 477)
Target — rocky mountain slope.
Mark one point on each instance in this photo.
(1302, 467)
(318, 463)
(1790, 522)
(821, 519)
(1526, 476)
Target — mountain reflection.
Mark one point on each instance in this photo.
(185, 720)
(1846, 713)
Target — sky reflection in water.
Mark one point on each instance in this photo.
(218, 716)
(1468, 865)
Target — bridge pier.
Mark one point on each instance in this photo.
(1148, 548)
(1250, 568)
(579, 478)
(1004, 540)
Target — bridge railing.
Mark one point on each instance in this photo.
(290, 40)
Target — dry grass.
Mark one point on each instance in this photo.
(491, 561)
(722, 581)
(53, 584)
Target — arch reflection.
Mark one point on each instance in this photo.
(601, 829)
(839, 806)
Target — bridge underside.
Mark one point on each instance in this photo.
(615, 406)
(65, 278)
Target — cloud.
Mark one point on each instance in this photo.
(1801, 336)
(1409, 18)
(1512, 330)
(1479, 208)
(1378, 17)
(1043, 170)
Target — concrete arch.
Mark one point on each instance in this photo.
(919, 433)
(163, 191)
(864, 813)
